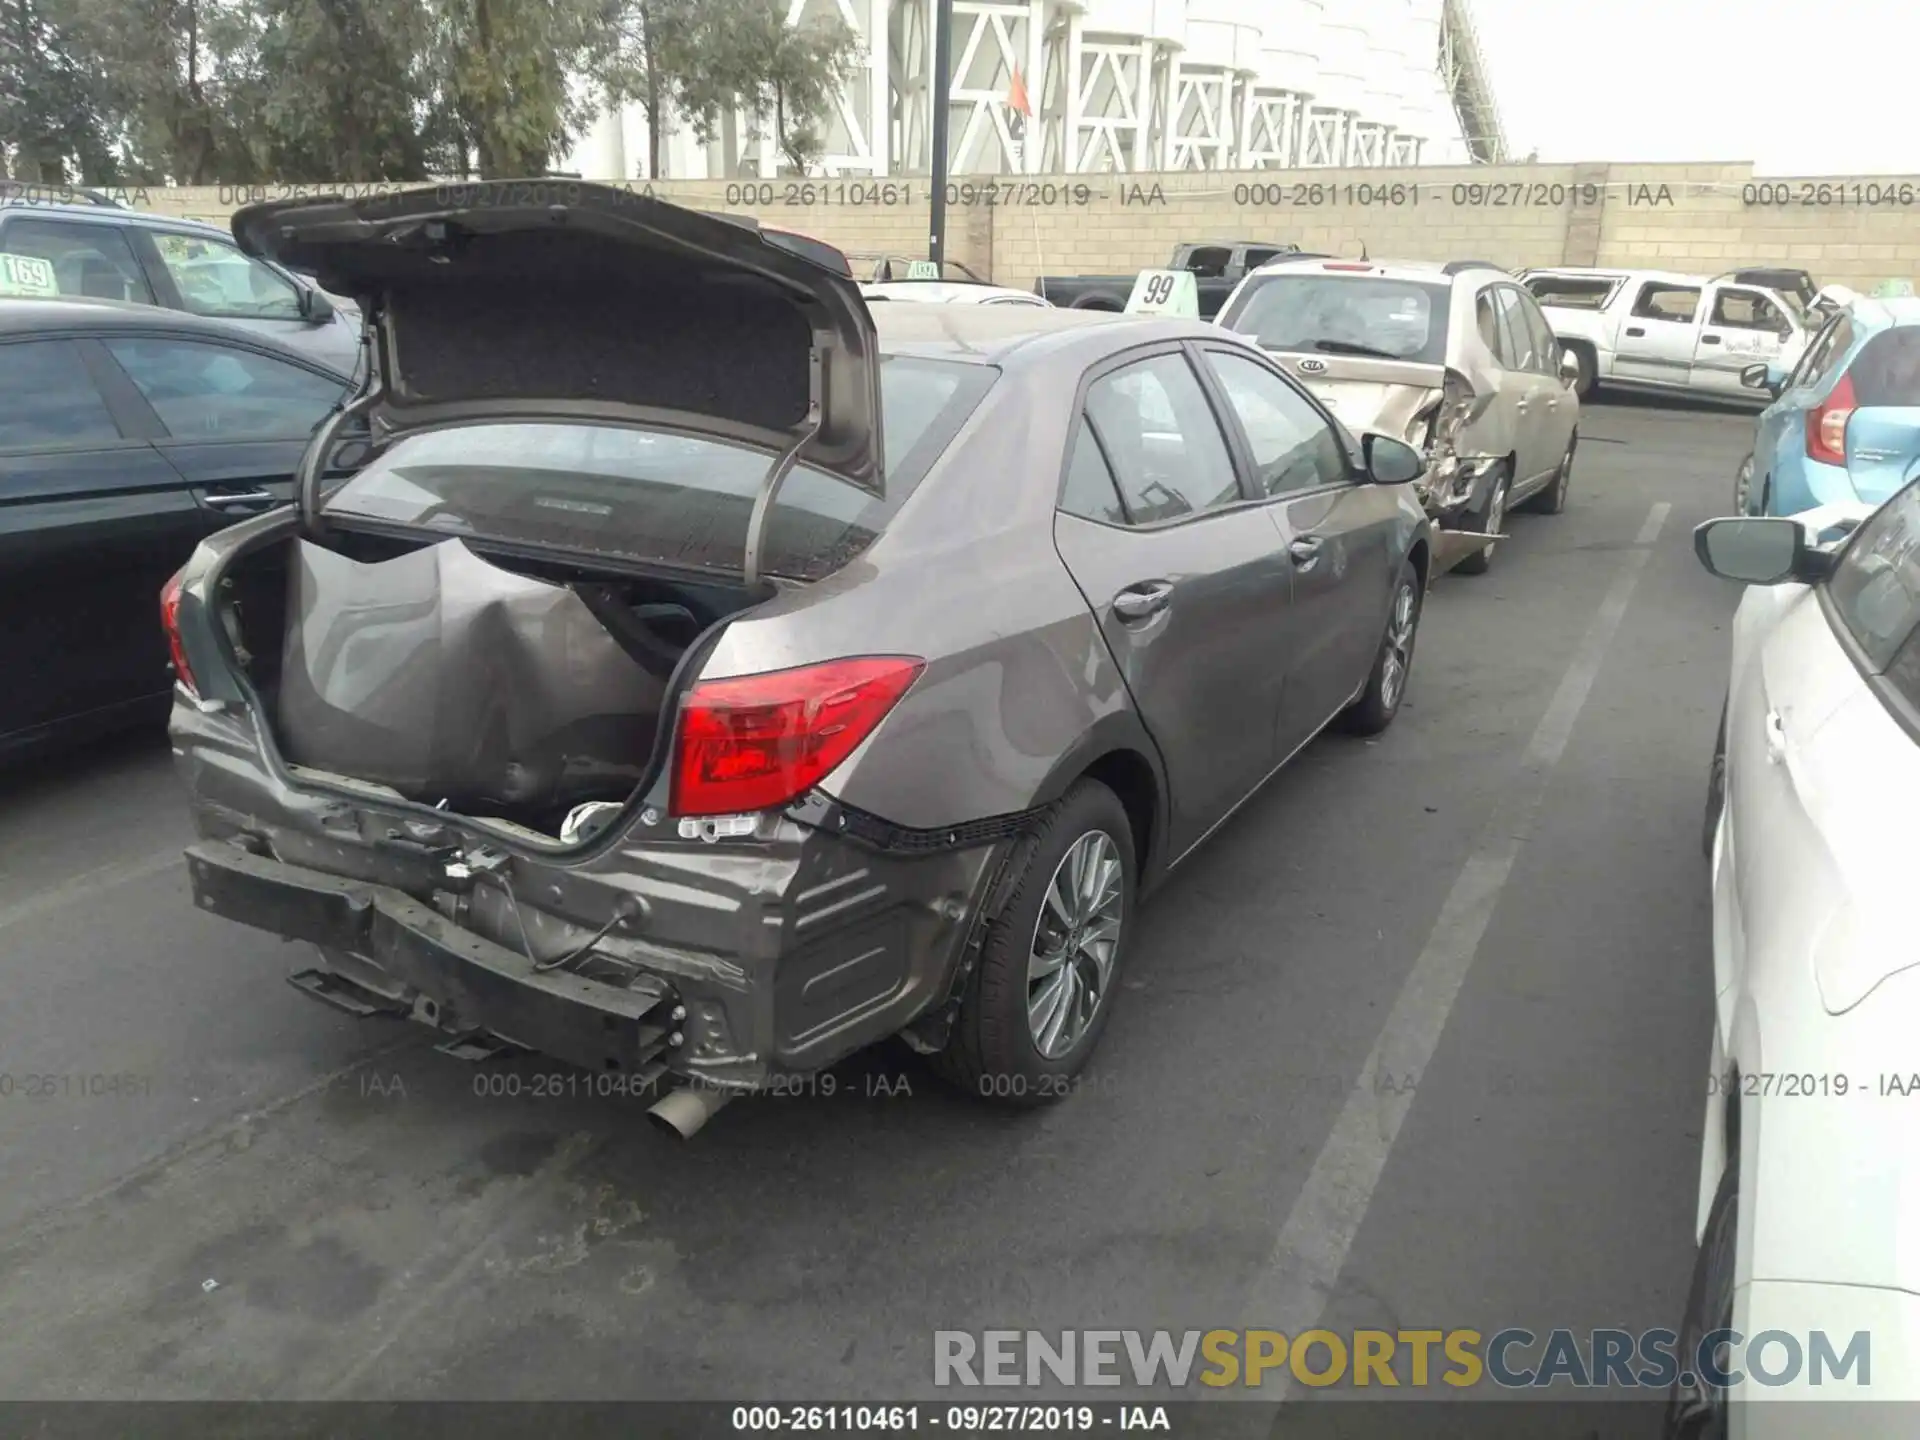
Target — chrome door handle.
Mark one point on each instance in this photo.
(222, 499)
(1137, 602)
(1305, 550)
(1776, 737)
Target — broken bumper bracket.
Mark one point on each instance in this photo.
(478, 986)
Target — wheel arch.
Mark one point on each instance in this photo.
(1119, 753)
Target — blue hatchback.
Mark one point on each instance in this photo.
(1845, 421)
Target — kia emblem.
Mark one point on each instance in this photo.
(1312, 367)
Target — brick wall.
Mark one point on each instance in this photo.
(1707, 217)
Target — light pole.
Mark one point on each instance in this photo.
(942, 90)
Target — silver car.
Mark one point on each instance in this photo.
(708, 676)
(1455, 359)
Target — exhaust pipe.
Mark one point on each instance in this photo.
(686, 1110)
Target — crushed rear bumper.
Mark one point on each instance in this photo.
(473, 984)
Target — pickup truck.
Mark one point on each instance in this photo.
(1653, 330)
(1218, 266)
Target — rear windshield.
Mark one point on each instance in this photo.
(1366, 315)
(641, 495)
(1887, 369)
(1571, 292)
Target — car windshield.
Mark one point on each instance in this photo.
(1363, 315)
(643, 495)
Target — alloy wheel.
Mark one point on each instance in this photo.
(1070, 961)
(1743, 486)
(1399, 657)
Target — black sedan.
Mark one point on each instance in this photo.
(127, 435)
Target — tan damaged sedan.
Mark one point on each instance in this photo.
(1455, 359)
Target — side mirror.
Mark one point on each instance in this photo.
(1390, 461)
(315, 307)
(1764, 550)
(1569, 368)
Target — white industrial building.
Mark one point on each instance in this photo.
(1126, 85)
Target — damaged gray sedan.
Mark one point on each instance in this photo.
(701, 678)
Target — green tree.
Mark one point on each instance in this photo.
(172, 72)
(727, 55)
(505, 78)
(54, 121)
(339, 87)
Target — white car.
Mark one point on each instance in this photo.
(950, 292)
(1656, 330)
(1809, 1195)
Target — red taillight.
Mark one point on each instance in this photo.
(1827, 425)
(759, 741)
(170, 622)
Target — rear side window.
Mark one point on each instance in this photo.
(1163, 441)
(91, 261)
(1876, 586)
(639, 494)
(1572, 292)
(1365, 315)
(1090, 492)
(1672, 303)
(219, 392)
(1521, 353)
(1493, 331)
(1887, 369)
(48, 400)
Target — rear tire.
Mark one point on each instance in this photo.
(1553, 499)
(994, 1052)
(1585, 382)
(1386, 688)
(1716, 786)
(1700, 1412)
(1489, 521)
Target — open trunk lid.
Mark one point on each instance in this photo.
(567, 300)
(1365, 393)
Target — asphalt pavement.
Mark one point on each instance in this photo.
(1416, 1039)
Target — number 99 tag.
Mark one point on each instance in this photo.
(1165, 292)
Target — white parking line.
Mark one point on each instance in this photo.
(88, 886)
(1291, 1291)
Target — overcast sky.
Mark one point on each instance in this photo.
(1710, 80)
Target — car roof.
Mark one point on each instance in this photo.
(84, 315)
(111, 215)
(1014, 335)
(1431, 271)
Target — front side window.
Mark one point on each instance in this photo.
(203, 391)
(215, 278)
(1364, 315)
(89, 261)
(1748, 310)
(1162, 440)
(1875, 589)
(48, 400)
(641, 495)
(1546, 346)
(1293, 448)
